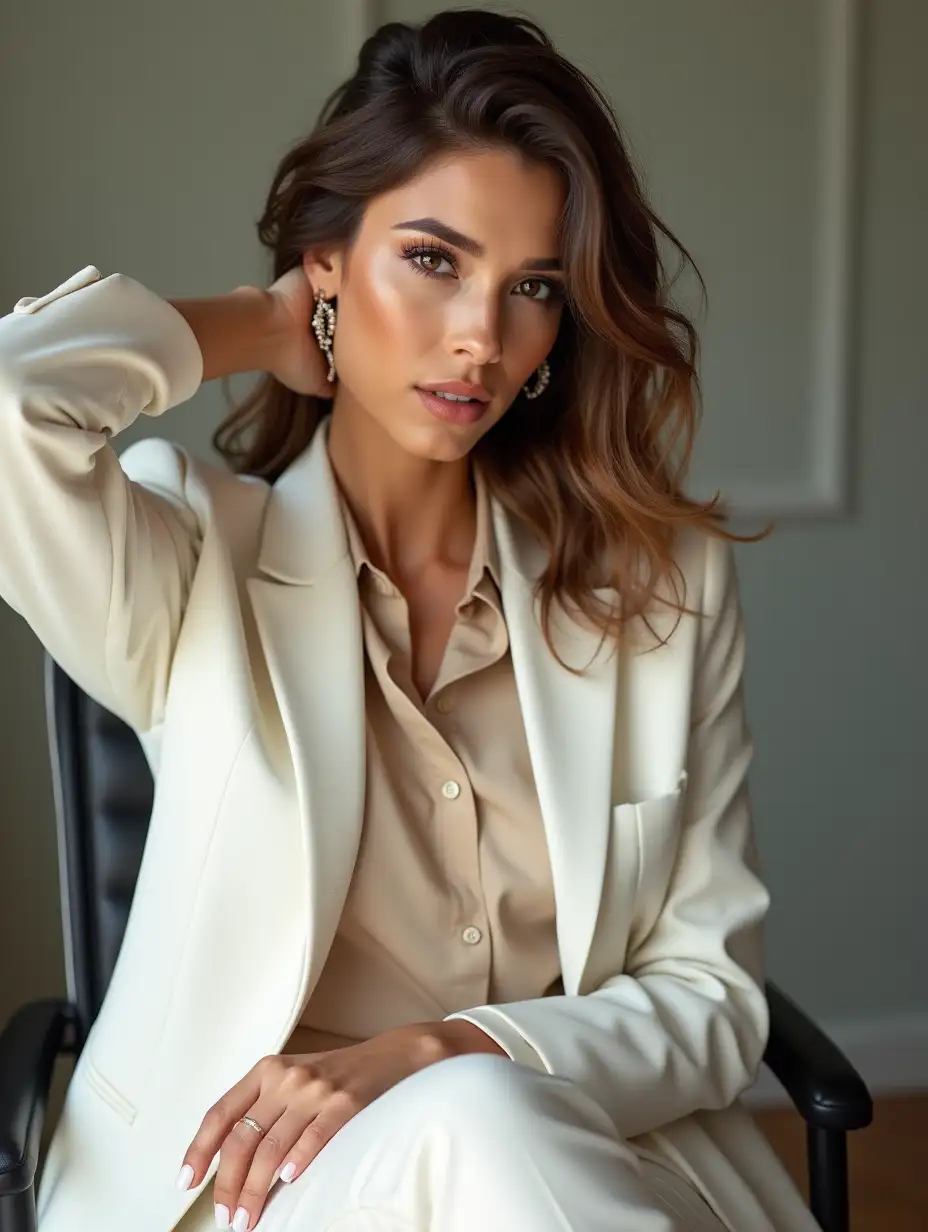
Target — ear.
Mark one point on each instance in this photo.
(323, 268)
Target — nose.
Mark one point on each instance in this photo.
(474, 329)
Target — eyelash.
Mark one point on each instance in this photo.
(418, 248)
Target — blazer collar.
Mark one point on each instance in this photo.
(304, 534)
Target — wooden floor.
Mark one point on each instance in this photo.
(888, 1163)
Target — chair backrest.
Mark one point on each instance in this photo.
(103, 800)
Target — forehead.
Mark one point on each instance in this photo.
(508, 204)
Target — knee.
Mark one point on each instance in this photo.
(478, 1080)
(483, 1092)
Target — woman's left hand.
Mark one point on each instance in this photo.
(301, 1102)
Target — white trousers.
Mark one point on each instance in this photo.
(478, 1142)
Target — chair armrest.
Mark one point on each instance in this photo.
(820, 1080)
(29, 1044)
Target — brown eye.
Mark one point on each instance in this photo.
(535, 288)
(429, 261)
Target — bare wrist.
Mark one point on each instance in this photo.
(236, 332)
(456, 1037)
(266, 333)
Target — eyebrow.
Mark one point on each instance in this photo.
(441, 231)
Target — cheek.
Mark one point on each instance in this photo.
(391, 314)
(531, 333)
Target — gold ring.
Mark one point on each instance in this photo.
(252, 1124)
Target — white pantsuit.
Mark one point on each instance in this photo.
(218, 615)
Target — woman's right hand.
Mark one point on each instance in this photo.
(295, 358)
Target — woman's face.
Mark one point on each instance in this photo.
(453, 278)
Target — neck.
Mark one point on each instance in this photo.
(411, 512)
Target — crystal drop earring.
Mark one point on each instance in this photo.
(542, 377)
(323, 323)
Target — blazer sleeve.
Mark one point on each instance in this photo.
(98, 565)
(684, 1025)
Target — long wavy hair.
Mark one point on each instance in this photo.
(595, 466)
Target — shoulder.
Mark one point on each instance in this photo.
(706, 565)
(164, 465)
(697, 595)
(232, 504)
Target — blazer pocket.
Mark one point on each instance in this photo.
(652, 828)
(102, 1087)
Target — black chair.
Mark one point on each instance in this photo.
(103, 793)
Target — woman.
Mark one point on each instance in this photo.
(448, 915)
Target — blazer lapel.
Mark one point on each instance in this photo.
(308, 618)
(570, 729)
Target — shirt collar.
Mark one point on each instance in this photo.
(484, 560)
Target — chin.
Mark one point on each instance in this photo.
(437, 442)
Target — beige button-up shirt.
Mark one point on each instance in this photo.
(451, 903)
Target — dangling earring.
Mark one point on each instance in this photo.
(324, 328)
(542, 377)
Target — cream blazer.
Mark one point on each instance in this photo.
(219, 616)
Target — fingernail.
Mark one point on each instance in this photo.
(184, 1177)
(240, 1222)
(288, 1173)
(222, 1215)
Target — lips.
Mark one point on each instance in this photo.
(449, 410)
(464, 389)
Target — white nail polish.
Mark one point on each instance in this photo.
(288, 1172)
(222, 1216)
(240, 1222)
(184, 1177)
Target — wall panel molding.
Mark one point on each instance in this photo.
(824, 489)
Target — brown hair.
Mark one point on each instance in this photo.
(595, 465)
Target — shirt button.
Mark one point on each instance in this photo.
(471, 936)
(451, 790)
(443, 704)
